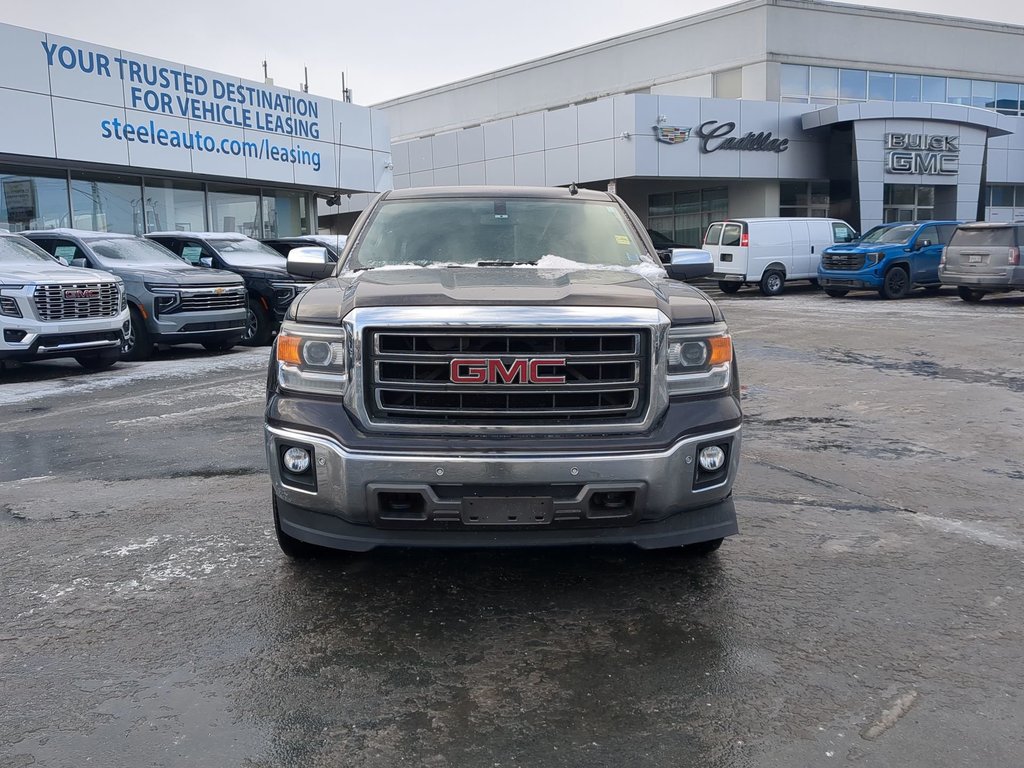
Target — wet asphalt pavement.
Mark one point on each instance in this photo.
(870, 613)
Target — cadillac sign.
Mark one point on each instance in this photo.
(671, 134)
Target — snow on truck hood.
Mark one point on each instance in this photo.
(556, 283)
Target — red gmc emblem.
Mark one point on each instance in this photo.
(493, 370)
(81, 293)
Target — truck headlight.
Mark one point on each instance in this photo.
(9, 304)
(698, 361)
(312, 358)
(167, 298)
(874, 258)
(284, 293)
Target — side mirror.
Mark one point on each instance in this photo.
(310, 262)
(80, 262)
(924, 244)
(206, 261)
(689, 264)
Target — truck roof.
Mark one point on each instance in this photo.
(553, 193)
(81, 234)
(200, 235)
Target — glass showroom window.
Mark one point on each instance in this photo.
(958, 91)
(804, 198)
(175, 205)
(29, 200)
(933, 89)
(795, 84)
(983, 94)
(906, 202)
(1008, 98)
(824, 85)
(853, 85)
(1001, 196)
(908, 88)
(684, 216)
(234, 209)
(285, 213)
(108, 203)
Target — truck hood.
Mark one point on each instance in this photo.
(865, 248)
(185, 275)
(42, 272)
(330, 300)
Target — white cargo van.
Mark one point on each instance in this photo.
(769, 252)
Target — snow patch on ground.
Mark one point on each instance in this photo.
(127, 373)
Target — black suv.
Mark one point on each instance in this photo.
(270, 287)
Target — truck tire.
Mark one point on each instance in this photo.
(896, 284)
(257, 326)
(970, 295)
(836, 293)
(772, 282)
(729, 286)
(294, 548)
(138, 344)
(98, 361)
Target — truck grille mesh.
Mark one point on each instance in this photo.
(76, 301)
(408, 377)
(846, 261)
(197, 301)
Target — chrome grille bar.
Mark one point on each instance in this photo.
(56, 302)
(409, 376)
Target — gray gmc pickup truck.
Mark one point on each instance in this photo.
(501, 367)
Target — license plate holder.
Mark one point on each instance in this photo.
(975, 258)
(507, 510)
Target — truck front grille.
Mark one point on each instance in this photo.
(208, 300)
(76, 301)
(409, 376)
(845, 261)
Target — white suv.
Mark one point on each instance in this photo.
(51, 310)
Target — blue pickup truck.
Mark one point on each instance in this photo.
(892, 259)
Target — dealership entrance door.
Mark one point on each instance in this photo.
(910, 202)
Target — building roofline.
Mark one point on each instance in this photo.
(699, 18)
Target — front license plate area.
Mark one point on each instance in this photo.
(507, 510)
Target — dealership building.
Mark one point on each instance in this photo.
(760, 108)
(105, 139)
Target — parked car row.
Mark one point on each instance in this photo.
(893, 259)
(100, 297)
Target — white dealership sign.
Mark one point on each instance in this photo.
(71, 100)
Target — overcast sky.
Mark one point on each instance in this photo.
(388, 49)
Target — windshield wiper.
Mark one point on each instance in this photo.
(504, 263)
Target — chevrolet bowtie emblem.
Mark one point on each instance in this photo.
(671, 134)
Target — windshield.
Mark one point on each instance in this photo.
(18, 250)
(496, 232)
(890, 235)
(131, 250)
(246, 253)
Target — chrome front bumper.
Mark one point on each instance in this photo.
(344, 509)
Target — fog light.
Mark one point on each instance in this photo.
(296, 460)
(711, 458)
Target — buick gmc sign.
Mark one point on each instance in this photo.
(922, 154)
